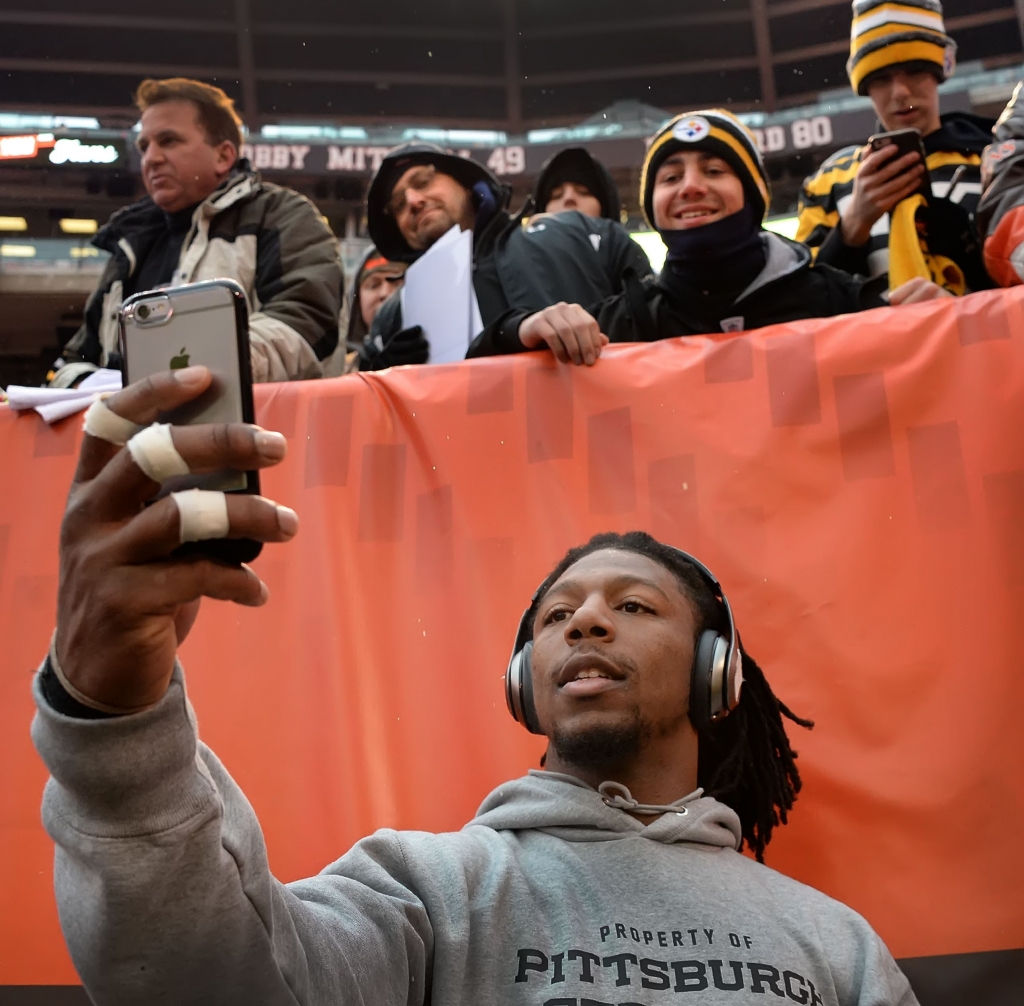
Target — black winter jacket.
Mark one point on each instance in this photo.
(788, 288)
(521, 267)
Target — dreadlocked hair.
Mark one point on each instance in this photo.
(744, 760)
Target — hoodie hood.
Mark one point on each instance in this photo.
(962, 131)
(468, 173)
(783, 258)
(567, 808)
(577, 164)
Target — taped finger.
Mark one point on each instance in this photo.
(104, 423)
(158, 530)
(154, 452)
(202, 513)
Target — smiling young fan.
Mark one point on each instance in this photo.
(610, 877)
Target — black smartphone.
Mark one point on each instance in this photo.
(200, 323)
(907, 141)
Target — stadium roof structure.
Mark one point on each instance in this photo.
(511, 65)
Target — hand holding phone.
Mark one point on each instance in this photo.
(199, 323)
(893, 169)
(906, 142)
(127, 596)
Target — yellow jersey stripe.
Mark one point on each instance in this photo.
(943, 157)
(812, 217)
(823, 183)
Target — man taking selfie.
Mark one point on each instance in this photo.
(861, 211)
(612, 876)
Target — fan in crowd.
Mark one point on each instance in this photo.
(208, 215)
(574, 179)
(375, 281)
(377, 278)
(705, 190)
(421, 191)
(862, 212)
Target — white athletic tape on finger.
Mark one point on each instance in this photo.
(154, 452)
(102, 422)
(203, 514)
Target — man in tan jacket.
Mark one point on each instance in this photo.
(207, 214)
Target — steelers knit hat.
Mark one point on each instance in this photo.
(718, 132)
(889, 33)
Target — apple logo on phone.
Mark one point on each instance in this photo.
(180, 362)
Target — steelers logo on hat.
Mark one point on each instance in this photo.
(692, 130)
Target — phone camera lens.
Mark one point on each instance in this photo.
(143, 311)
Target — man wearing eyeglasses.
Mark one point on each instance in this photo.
(421, 191)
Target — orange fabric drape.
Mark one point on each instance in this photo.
(857, 484)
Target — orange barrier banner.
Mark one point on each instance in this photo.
(856, 483)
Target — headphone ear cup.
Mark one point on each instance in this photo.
(526, 691)
(519, 688)
(700, 680)
(715, 681)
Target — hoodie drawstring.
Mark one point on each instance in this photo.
(616, 796)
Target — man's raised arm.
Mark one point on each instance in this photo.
(162, 880)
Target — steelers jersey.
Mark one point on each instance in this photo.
(826, 195)
(956, 189)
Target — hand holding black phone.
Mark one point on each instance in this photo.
(906, 141)
(200, 323)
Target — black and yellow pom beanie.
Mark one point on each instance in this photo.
(885, 33)
(720, 133)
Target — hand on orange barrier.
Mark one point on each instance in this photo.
(124, 604)
(567, 330)
(916, 290)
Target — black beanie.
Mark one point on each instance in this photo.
(578, 165)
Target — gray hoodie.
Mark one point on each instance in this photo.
(548, 896)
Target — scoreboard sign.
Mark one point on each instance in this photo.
(785, 134)
(776, 139)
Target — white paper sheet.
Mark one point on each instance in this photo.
(59, 403)
(438, 296)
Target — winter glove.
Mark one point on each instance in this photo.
(403, 349)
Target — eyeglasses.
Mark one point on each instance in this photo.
(418, 179)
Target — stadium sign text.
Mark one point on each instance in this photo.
(46, 148)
